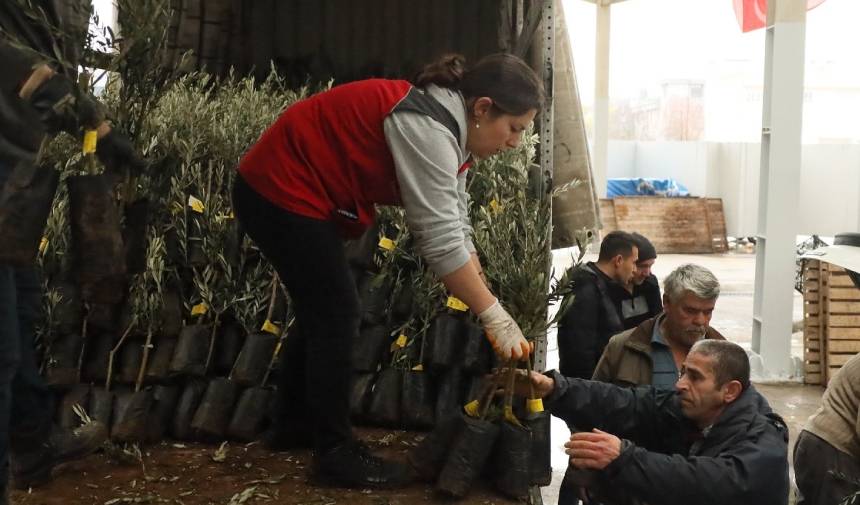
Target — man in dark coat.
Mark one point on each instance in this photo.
(639, 299)
(714, 440)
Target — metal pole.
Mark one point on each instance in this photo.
(601, 98)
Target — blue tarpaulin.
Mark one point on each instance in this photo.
(644, 187)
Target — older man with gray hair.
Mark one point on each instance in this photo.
(653, 352)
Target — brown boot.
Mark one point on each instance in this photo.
(33, 469)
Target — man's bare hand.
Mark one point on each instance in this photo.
(592, 450)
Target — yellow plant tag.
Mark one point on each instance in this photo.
(43, 245)
(495, 206)
(91, 138)
(195, 204)
(199, 309)
(400, 343)
(471, 408)
(271, 327)
(418, 368)
(387, 244)
(456, 304)
(534, 405)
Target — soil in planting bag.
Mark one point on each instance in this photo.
(104, 317)
(359, 252)
(362, 386)
(68, 314)
(134, 235)
(511, 458)
(477, 351)
(25, 202)
(171, 313)
(131, 416)
(101, 406)
(251, 414)
(164, 399)
(186, 407)
(254, 359)
(428, 457)
(231, 338)
(130, 357)
(384, 409)
(402, 305)
(213, 415)
(374, 293)
(467, 455)
(444, 341)
(97, 356)
(99, 257)
(158, 368)
(62, 357)
(540, 466)
(368, 350)
(417, 401)
(449, 397)
(192, 349)
(78, 395)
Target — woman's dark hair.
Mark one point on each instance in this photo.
(507, 80)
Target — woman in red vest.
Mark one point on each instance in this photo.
(312, 180)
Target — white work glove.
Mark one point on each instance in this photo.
(503, 333)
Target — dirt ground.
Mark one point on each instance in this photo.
(188, 474)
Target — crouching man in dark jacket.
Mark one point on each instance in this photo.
(714, 440)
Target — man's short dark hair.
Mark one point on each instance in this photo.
(730, 361)
(615, 243)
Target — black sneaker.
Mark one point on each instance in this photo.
(351, 465)
(34, 469)
(280, 439)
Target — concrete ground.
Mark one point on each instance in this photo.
(733, 318)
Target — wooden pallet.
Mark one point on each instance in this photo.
(831, 320)
(673, 225)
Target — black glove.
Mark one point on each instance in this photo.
(63, 107)
(117, 153)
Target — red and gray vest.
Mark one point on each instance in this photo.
(326, 156)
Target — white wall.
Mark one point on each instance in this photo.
(830, 179)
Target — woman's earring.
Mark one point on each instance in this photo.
(477, 125)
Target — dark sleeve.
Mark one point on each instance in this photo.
(653, 297)
(640, 414)
(577, 332)
(605, 370)
(753, 470)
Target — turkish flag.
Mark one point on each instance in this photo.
(752, 14)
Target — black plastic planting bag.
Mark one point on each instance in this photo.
(254, 359)
(158, 368)
(540, 466)
(25, 202)
(192, 348)
(477, 352)
(78, 395)
(402, 305)
(449, 398)
(164, 400)
(97, 356)
(99, 257)
(213, 415)
(444, 341)
(384, 407)
(101, 406)
(373, 294)
(130, 358)
(196, 256)
(189, 400)
(430, 454)
(134, 235)
(359, 252)
(467, 456)
(417, 401)
(104, 317)
(250, 416)
(68, 314)
(229, 344)
(512, 458)
(362, 384)
(130, 416)
(63, 354)
(370, 347)
(171, 314)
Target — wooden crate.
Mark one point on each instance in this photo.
(673, 225)
(831, 320)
